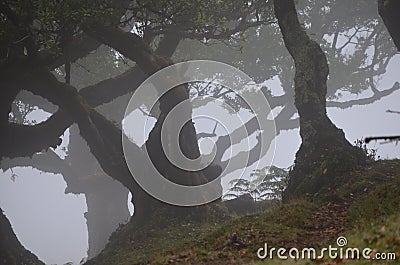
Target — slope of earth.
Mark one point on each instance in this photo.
(362, 205)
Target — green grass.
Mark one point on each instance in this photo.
(148, 242)
(277, 227)
(373, 221)
(374, 214)
(282, 225)
(381, 236)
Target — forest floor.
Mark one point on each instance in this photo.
(363, 206)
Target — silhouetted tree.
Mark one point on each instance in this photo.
(40, 36)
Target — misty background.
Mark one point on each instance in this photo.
(56, 231)
(51, 223)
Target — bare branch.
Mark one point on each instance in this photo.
(364, 101)
(24, 140)
(389, 138)
(103, 138)
(107, 90)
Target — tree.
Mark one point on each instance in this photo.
(272, 182)
(344, 32)
(40, 36)
(266, 184)
(324, 147)
(388, 10)
(240, 187)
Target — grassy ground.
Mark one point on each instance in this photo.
(363, 206)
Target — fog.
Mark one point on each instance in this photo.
(57, 233)
(51, 223)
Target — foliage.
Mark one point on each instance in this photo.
(263, 56)
(53, 23)
(267, 183)
(198, 18)
(272, 182)
(20, 111)
(241, 187)
(370, 152)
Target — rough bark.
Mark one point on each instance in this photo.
(324, 148)
(134, 48)
(102, 137)
(389, 11)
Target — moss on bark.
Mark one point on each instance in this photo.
(324, 147)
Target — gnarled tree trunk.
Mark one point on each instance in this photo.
(389, 11)
(136, 49)
(324, 148)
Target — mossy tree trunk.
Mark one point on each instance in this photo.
(136, 49)
(389, 11)
(324, 148)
